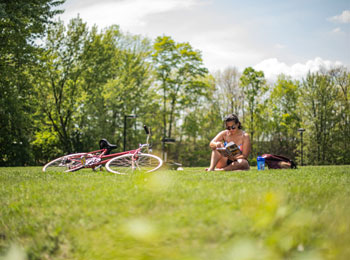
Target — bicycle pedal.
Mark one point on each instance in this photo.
(97, 167)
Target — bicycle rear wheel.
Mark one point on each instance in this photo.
(67, 163)
(129, 163)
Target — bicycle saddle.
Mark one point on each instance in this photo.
(104, 144)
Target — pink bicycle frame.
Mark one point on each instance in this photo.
(101, 155)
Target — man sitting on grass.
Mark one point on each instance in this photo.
(233, 133)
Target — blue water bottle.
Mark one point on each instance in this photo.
(261, 163)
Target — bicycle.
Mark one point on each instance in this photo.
(119, 163)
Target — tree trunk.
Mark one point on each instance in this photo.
(173, 103)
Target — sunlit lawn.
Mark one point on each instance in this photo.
(190, 214)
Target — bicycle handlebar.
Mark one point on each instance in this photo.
(146, 129)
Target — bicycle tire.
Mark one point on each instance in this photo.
(125, 164)
(65, 162)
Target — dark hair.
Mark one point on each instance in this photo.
(233, 117)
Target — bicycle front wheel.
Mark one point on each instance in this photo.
(67, 163)
(129, 163)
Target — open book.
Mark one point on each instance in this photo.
(230, 150)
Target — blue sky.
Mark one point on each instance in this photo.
(285, 36)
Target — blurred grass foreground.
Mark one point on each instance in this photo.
(190, 214)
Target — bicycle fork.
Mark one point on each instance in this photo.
(134, 162)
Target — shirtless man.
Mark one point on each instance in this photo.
(233, 133)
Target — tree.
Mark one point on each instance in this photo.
(318, 102)
(178, 69)
(201, 123)
(87, 82)
(100, 61)
(59, 79)
(284, 118)
(21, 24)
(253, 83)
(230, 93)
(130, 90)
(340, 77)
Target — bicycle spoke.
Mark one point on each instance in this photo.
(66, 163)
(128, 163)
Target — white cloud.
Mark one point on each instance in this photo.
(217, 58)
(272, 67)
(224, 38)
(221, 49)
(344, 17)
(221, 43)
(127, 14)
(280, 46)
(336, 30)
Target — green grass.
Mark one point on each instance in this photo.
(190, 214)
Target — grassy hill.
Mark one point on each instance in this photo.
(190, 214)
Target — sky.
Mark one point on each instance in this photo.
(275, 36)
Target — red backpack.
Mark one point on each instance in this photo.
(278, 162)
